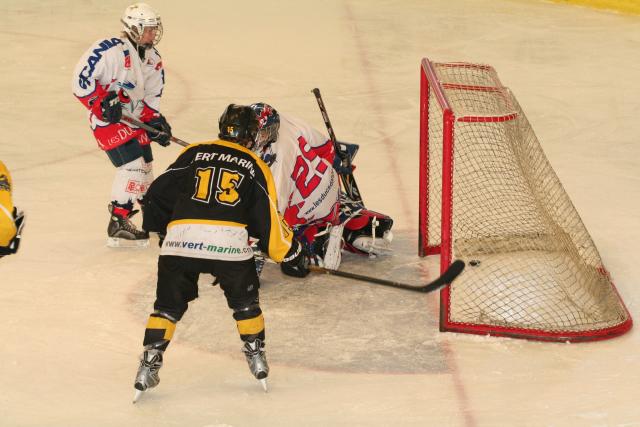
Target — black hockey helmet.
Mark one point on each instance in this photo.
(238, 124)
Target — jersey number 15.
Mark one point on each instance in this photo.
(227, 182)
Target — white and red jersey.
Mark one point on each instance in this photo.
(114, 65)
(306, 183)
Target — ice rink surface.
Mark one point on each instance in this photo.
(341, 353)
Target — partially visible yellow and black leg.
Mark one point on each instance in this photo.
(249, 320)
(177, 286)
(240, 283)
(159, 331)
(250, 324)
(157, 335)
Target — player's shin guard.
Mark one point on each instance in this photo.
(250, 321)
(250, 324)
(159, 331)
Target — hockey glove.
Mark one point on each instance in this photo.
(163, 137)
(18, 218)
(108, 108)
(296, 262)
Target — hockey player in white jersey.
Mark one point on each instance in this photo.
(302, 160)
(124, 76)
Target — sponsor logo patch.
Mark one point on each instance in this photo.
(135, 187)
(84, 79)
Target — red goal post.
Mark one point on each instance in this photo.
(489, 196)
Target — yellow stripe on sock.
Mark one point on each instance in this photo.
(251, 326)
(162, 323)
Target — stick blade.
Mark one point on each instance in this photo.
(453, 271)
(447, 277)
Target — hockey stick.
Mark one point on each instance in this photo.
(445, 279)
(141, 125)
(348, 181)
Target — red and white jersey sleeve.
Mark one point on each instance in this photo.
(306, 183)
(114, 65)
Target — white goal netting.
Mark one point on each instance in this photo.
(532, 269)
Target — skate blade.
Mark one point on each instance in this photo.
(263, 383)
(137, 395)
(374, 250)
(116, 242)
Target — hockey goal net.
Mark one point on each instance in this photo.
(489, 196)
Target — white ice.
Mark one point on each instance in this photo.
(341, 353)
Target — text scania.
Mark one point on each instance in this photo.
(86, 73)
(211, 248)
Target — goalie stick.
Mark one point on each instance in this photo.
(348, 181)
(445, 279)
(131, 121)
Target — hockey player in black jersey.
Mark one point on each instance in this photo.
(205, 206)
(11, 218)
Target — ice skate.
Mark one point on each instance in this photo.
(147, 376)
(122, 233)
(374, 246)
(257, 360)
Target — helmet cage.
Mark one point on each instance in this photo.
(136, 18)
(268, 125)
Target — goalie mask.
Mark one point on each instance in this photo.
(238, 124)
(268, 125)
(140, 17)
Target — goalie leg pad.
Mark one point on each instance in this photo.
(333, 248)
(369, 233)
(323, 241)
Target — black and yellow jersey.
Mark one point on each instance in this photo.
(211, 199)
(7, 225)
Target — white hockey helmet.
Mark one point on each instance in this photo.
(139, 16)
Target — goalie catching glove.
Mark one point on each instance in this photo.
(163, 136)
(296, 262)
